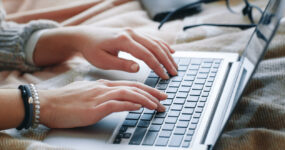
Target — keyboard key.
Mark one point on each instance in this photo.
(193, 98)
(196, 61)
(165, 133)
(123, 129)
(143, 123)
(186, 83)
(130, 123)
(216, 65)
(195, 120)
(197, 87)
(185, 117)
(158, 121)
(162, 86)
(160, 115)
(206, 65)
(214, 70)
(184, 89)
(200, 81)
(170, 95)
(177, 79)
(161, 141)
(177, 107)
(190, 132)
(138, 136)
(171, 120)
(179, 131)
(148, 111)
(195, 92)
(197, 115)
(181, 95)
(211, 79)
(192, 126)
(175, 141)
(192, 73)
(117, 140)
(209, 84)
(166, 102)
(174, 113)
(201, 104)
(180, 101)
(203, 99)
(190, 105)
(164, 81)
(181, 73)
(193, 67)
(182, 68)
(146, 117)
(199, 109)
(153, 75)
(204, 70)
(172, 90)
(182, 124)
(151, 82)
(150, 138)
(189, 78)
(133, 116)
(202, 76)
(176, 59)
(212, 74)
(207, 89)
(154, 128)
(205, 94)
(167, 108)
(168, 127)
(174, 84)
(185, 144)
(126, 135)
(188, 111)
(188, 138)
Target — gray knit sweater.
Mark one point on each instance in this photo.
(13, 38)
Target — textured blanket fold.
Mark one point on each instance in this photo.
(257, 123)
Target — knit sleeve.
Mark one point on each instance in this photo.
(13, 39)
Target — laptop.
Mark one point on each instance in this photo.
(200, 99)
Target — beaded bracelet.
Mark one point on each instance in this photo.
(36, 119)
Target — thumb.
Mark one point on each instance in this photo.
(118, 63)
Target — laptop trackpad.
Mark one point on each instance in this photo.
(98, 133)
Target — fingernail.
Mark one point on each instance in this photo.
(135, 67)
(166, 76)
(138, 105)
(163, 94)
(161, 109)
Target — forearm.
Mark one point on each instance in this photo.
(11, 108)
(55, 46)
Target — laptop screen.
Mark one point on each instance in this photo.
(261, 39)
(264, 31)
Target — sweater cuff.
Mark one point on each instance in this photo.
(31, 45)
(15, 38)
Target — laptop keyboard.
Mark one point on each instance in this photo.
(187, 96)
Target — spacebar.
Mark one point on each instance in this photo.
(138, 136)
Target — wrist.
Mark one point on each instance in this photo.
(55, 46)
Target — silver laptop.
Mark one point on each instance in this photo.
(200, 99)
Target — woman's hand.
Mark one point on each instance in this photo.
(84, 103)
(101, 46)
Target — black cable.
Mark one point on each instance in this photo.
(247, 11)
(241, 26)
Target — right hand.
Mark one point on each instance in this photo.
(84, 103)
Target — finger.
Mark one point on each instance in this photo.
(120, 63)
(106, 108)
(154, 92)
(129, 45)
(157, 50)
(166, 48)
(160, 107)
(124, 94)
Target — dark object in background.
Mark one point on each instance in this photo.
(159, 9)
